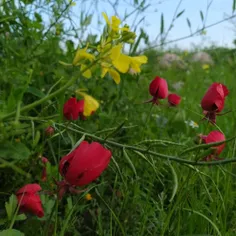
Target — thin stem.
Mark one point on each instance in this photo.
(162, 156)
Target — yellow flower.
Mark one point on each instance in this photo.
(123, 62)
(90, 103)
(87, 74)
(113, 24)
(88, 197)
(205, 67)
(82, 54)
(136, 62)
(113, 73)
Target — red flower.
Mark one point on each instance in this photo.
(158, 88)
(29, 200)
(212, 137)
(85, 163)
(71, 109)
(213, 101)
(49, 131)
(174, 99)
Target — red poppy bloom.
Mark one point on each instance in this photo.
(212, 137)
(174, 99)
(158, 88)
(213, 101)
(29, 200)
(85, 163)
(71, 109)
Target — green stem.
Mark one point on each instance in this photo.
(162, 156)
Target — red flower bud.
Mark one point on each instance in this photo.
(49, 131)
(174, 99)
(29, 200)
(85, 163)
(158, 88)
(213, 101)
(212, 137)
(71, 109)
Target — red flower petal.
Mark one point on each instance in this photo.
(29, 188)
(216, 136)
(174, 99)
(214, 98)
(29, 200)
(86, 163)
(71, 109)
(158, 88)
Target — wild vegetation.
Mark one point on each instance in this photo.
(98, 140)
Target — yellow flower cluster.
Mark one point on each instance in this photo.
(108, 54)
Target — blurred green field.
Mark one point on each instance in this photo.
(142, 192)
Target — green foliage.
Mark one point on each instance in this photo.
(153, 185)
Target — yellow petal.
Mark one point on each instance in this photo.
(90, 104)
(115, 22)
(136, 62)
(115, 52)
(87, 74)
(122, 63)
(106, 18)
(140, 59)
(115, 75)
(82, 54)
(104, 71)
(205, 67)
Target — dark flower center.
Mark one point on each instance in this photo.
(65, 168)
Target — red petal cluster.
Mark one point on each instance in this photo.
(29, 200)
(213, 137)
(213, 101)
(158, 88)
(73, 109)
(82, 166)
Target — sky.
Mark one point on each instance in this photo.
(220, 35)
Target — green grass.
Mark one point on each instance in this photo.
(143, 192)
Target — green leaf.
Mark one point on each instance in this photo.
(17, 151)
(21, 217)
(11, 232)
(206, 218)
(10, 206)
(234, 5)
(162, 24)
(130, 162)
(36, 92)
(202, 17)
(180, 13)
(189, 23)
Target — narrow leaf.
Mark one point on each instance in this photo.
(202, 16)
(234, 5)
(130, 162)
(175, 182)
(180, 13)
(162, 24)
(189, 23)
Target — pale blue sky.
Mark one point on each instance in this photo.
(221, 35)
